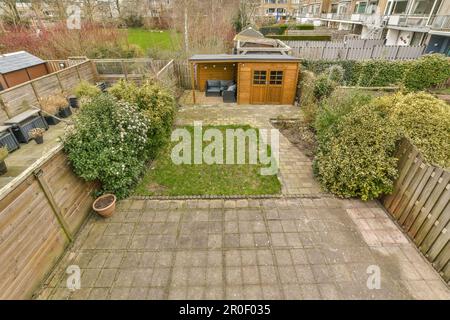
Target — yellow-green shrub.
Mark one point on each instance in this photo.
(422, 118)
(356, 159)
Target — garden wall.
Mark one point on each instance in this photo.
(39, 212)
(420, 204)
(20, 98)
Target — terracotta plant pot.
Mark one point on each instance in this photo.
(105, 205)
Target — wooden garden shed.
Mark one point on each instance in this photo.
(19, 67)
(260, 78)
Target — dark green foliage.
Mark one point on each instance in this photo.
(323, 87)
(277, 29)
(109, 144)
(427, 72)
(303, 27)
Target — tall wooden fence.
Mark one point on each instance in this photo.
(420, 204)
(19, 98)
(351, 43)
(39, 214)
(353, 49)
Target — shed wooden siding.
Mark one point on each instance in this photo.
(15, 78)
(31, 238)
(214, 71)
(246, 91)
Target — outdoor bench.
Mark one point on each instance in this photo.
(24, 122)
(8, 139)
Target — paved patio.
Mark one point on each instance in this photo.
(18, 161)
(311, 246)
(244, 249)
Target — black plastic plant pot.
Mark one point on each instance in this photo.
(73, 101)
(39, 140)
(51, 121)
(3, 168)
(65, 113)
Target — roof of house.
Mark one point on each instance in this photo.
(249, 32)
(10, 62)
(247, 57)
(272, 42)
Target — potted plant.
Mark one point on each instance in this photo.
(73, 101)
(3, 155)
(63, 106)
(37, 134)
(51, 106)
(105, 205)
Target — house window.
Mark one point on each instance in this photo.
(259, 77)
(276, 77)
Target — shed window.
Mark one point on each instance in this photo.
(276, 77)
(259, 77)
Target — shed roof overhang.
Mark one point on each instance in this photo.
(206, 58)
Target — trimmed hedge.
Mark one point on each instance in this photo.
(303, 27)
(299, 38)
(419, 74)
(275, 29)
(357, 137)
(427, 72)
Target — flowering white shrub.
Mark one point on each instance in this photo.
(109, 143)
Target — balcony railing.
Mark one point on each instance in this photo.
(440, 23)
(402, 20)
(336, 16)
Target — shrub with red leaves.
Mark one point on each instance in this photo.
(59, 42)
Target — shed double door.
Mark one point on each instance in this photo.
(267, 86)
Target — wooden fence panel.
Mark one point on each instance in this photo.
(69, 79)
(47, 86)
(183, 73)
(420, 204)
(410, 52)
(20, 98)
(359, 54)
(31, 238)
(17, 98)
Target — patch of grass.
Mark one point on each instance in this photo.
(146, 39)
(165, 178)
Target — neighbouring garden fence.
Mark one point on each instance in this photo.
(40, 211)
(20, 98)
(420, 204)
(351, 43)
(315, 50)
(112, 70)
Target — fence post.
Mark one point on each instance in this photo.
(396, 53)
(56, 210)
(4, 107)
(346, 53)
(59, 81)
(124, 69)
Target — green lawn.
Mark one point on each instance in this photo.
(166, 39)
(164, 178)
